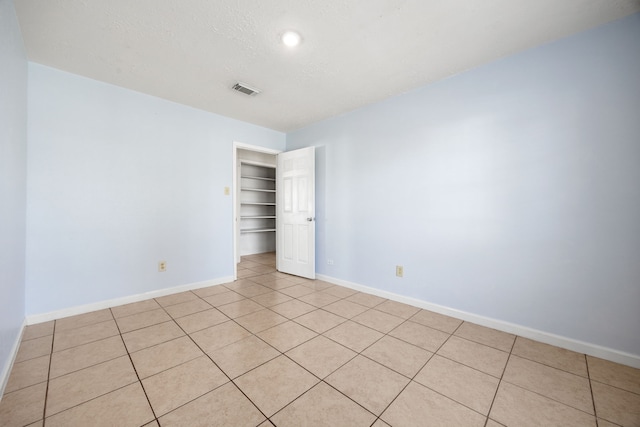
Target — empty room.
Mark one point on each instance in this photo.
(319, 213)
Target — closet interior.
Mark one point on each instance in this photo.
(256, 202)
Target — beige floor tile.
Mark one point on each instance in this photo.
(178, 298)
(216, 337)
(153, 423)
(562, 386)
(33, 348)
(83, 356)
(210, 290)
(85, 319)
(202, 320)
(340, 291)
(550, 355)
(127, 406)
(161, 357)
(297, 280)
(262, 269)
(436, 321)
(185, 308)
(346, 309)
(240, 308)
(515, 406)
(263, 279)
(151, 335)
(174, 387)
(615, 374)
(134, 308)
(487, 336)
(422, 336)
(321, 356)
(319, 320)
(465, 385)
(367, 300)
(28, 373)
(245, 273)
(81, 386)
(418, 406)
(319, 299)
(397, 309)
(286, 336)
(605, 423)
(478, 356)
(380, 423)
(38, 330)
(271, 298)
(323, 406)
(615, 405)
(400, 356)
(273, 283)
(142, 320)
(316, 285)
(37, 424)
(253, 291)
(368, 383)
(223, 407)
(297, 291)
(23, 406)
(353, 335)
(378, 320)
(239, 284)
(247, 264)
(292, 309)
(260, 320)
(244, 355)
(84, 334)
(492, 423)
(224, 298)
(275, 384)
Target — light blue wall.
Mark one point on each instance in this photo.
(118, 181)
(13, 176)
(511, 191)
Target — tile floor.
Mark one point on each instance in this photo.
(273, 349)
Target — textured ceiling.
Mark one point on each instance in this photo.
(354, 52)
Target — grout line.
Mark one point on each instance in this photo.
(593, 400)
(500, 380)
(46, 392)
(135, 370)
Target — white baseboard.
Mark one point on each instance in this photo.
(86, 308)
(512, 328)
(6, 369)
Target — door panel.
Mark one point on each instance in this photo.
(296, 227)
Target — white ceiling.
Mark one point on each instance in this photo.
(354, 52)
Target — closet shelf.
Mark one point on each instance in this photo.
(262, 178)
(258, 217)
(257, 230)
(257, 203)
(262, 190)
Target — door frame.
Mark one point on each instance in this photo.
(235, 189)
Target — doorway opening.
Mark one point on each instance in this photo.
(254, 201)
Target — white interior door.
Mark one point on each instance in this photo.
(296, 222)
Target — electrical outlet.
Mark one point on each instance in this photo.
(399, 270)
(162, 266)
(330, 261)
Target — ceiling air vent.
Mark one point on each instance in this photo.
(247, 90)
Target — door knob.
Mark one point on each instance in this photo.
(310, 219)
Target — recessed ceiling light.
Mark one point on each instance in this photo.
(291, 38)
